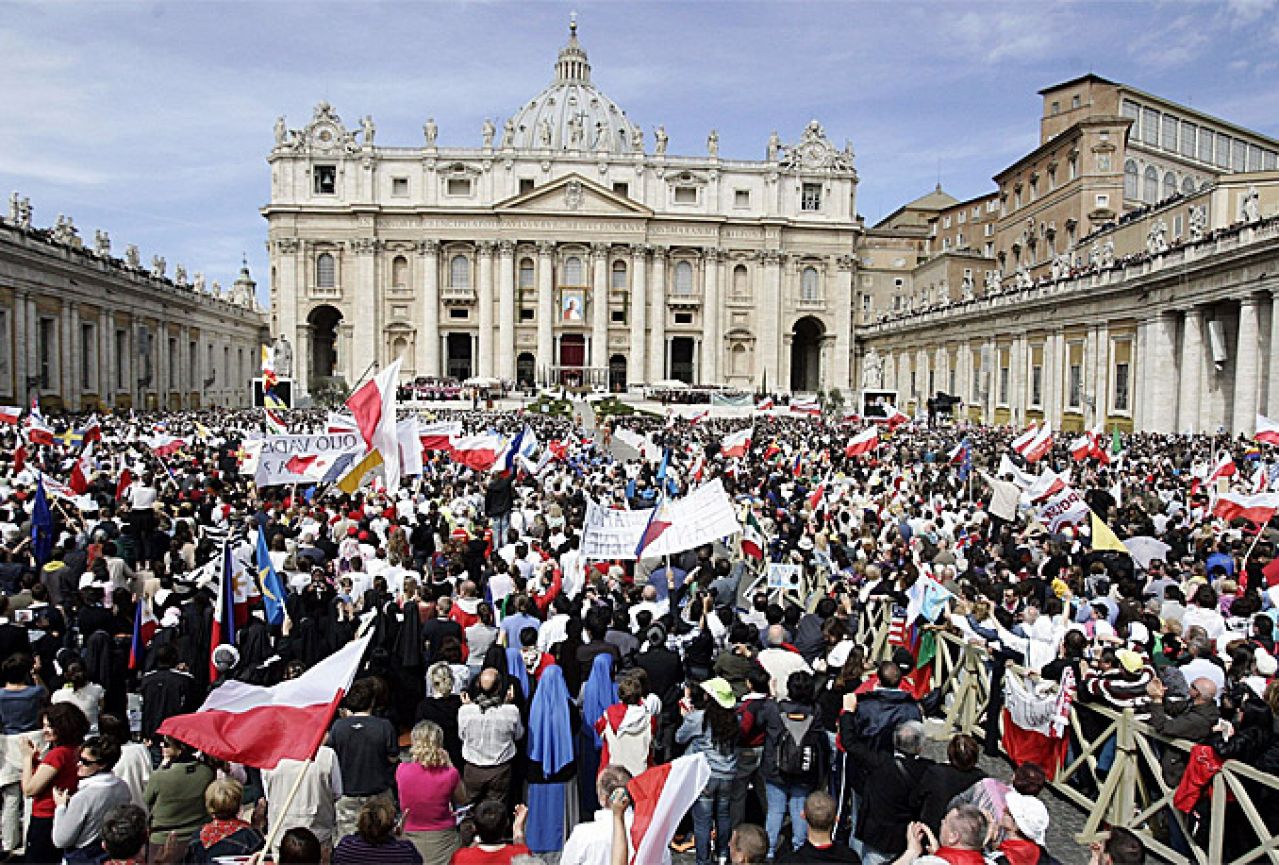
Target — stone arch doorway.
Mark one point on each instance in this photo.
(806, 355)
(458, 355)
(324, 321)
(617, 373)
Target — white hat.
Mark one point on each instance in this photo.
(1030, 815)
(1265, 662)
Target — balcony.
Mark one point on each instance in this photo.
(331, 293)
(454, 296)
(684, 300)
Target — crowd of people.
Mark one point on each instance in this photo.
(514, 687)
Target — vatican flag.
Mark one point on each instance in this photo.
(352, 480)
(1103, 537)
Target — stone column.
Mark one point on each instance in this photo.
(287, 288)
(657, 324)
(770, 323)
(1246, 366)
(106, 339)
(710, 320)
(32, 313)
(1101, 375)
(599, 308)
(545, 311)
(506, 310)
(301, 355)
(636, 369)
(1190, 371)
(484, 345)
(72, 353)
(1163, 393)
(21, 336)
(842, 366)
(428, 344)
(1272, 383)
(366, 340)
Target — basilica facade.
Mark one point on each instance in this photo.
(563, 245)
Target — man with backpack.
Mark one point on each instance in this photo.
(750, 750)
(795, 760)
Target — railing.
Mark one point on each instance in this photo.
(1132, 792)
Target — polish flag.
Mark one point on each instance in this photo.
(765, 405)
(1224, 468)
(80, 472)
(260, 726)
(1256, 509)
(223, 608)
(862, 443)
(477, 452)
(300, 463)
(340, 423)
(1023, 441)
(959, 454)
(93, 431)
(1267, 430)
(700, 416)
(699, 467)
(1082, 447)
(808, 407)
(9, 414)
(144, 628)
(19, 458)
(122, 485)
(737, 444)
(895, 417)
(1047, 484)
(373, 407)
(1040, 445)
(816, 496)
(661, 797)
(38, 432)
(165, 445)
(436, 436)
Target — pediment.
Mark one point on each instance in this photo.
(573, 195)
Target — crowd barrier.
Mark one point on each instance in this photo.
(1131, 791)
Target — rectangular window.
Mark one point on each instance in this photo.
(912, 382)
(622, 188)
(898, 283)
(1267, 160)
(1056, 108)
(1004, 378)
(812, 197)
(1238, 151)
(932, 381)
(988, 230)
(1131, 109)
(1205, 145)
(459, 313)
(47, 349)
(1177, 223)
(1102, 200)
(683, 318)
(1072, 168)
(1169, 135)
(526, 185)
(686, 195)
(1074, 101)
(1223, 151)
(1076, 390)
(400, 187)
(1254, 157)
(326, 179)
(945, 222)
(741, 198)
(88, 354)
(526, 314)
(1121, 386)
(1036, 385)
(988, 249)
(1188, 139)
(459, 186)
(1150, 126)
(618, 316)
(6, 338)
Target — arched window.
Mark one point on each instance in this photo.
(460, 272)
(573, 273)
(809, 284)
(1170, 185)
(683, 278)
(619, 275)
(737, 360)
(1130, 180)
(526, 273)
(325, 271)
(400, 347)
(400, 272)
(1188, 186)
(1150, 185)
(741, 288)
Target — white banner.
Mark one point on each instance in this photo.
(1065, 508)
(703, 516)
(272, 467)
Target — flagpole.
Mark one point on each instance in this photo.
(1260, 531)
(278, 823)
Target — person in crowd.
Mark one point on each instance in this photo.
(796, 757)
(888, 793)
(441, 706)
(225, 834)
(20, 703)
(489, 725)
(1025, 830)
(374, 841)
(1119, 847)
(942, 782)
(367, 748)
(78, 816)
(124, 835)
(174, 796)
(429, 787)
(88, 696)
(64, 727)
(552, 766)
(627, 728)
(819, 846)
(498, 839)
(314, 801)
(134, 766)
(961, 840)
(710, 728)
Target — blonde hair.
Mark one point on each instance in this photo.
(427, 746)
(223, 798)
(441, 678)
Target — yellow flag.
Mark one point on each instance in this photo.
(1104, 538)
(202, 431)
(351, 481)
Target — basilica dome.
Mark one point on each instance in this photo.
(571, 114)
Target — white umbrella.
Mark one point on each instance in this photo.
(669, 384)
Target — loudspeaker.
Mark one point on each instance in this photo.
(1217, 341)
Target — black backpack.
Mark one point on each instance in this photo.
(799, 750)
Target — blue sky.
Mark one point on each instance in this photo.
(153, 119)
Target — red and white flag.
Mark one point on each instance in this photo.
(260, 726)
(340, 423)
(1082, 447)
(81, 471)
(1021, 442)
(698, 469)
(38, 432)
(1040, 445)
(700, 416)
(1032, 731)
(894, 417)
(1047, 484)
(1256, 509)
(19, 457)
(661, 797)
(123, 483)
(808, 407)
(477, 452)
(165, 445)
(1267, 430)
(9, 414)
(765, 405)
(737, 444)
(753, 544)
(1223, 468)
(816, 497)
(862, 443)
(373, 407)
(436, 436)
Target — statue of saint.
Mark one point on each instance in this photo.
(637, 139)
(660, 140)
(158, 266)
(872, 370)
(508, 134)
(774, 146)
(180, 274)
(198, 283)
(712, 144)
(489, 131)
(544, 132)
(281, 131)
(24, 213)
(132, 257)
(575, 132)
(369, 130)
(430, 131)
(283, 353)
(15, 208)
(101, 243)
